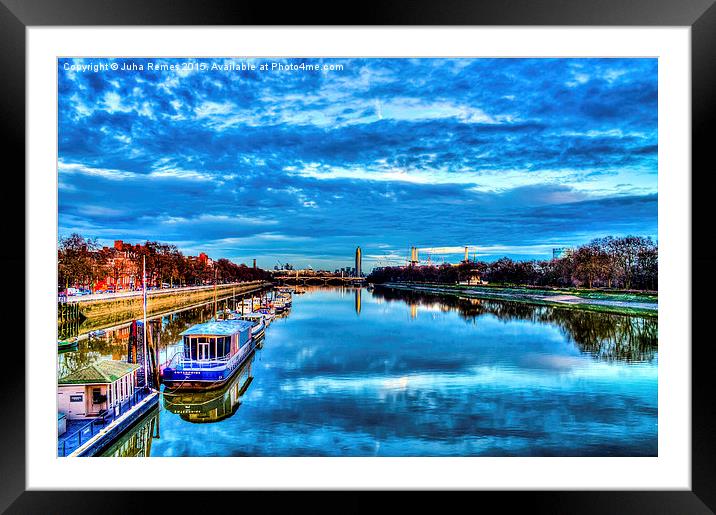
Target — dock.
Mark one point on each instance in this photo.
(89, 437)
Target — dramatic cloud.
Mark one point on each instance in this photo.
(512, 156)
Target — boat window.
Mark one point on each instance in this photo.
(219, 347)
(222, 348)
(193, 349)
(187, 347)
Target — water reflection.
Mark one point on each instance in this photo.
(386, 373)
(213, 405)
(137, 442)
(606, 336)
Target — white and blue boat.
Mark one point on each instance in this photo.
(212, 352)
(258, 320)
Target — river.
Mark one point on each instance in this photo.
(352, 372)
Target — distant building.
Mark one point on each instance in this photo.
(561, 252)
(413, 256)
(358, 262)
(471, 278)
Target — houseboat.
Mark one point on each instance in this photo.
(94, 390)
(212, 352)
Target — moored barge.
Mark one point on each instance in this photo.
(212, 352)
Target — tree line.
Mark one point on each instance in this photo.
(83, 263)
(629, 262)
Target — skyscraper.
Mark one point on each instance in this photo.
(414, 256)
(358, 262)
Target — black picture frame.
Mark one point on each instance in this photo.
(700, 15)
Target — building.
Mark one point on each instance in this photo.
(561, 252)
(472, 278)
(414, 256)
(123, 271)
(359, 259)
(96, 388)
(346, 271)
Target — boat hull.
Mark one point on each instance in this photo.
(67, 347)
(188, 378)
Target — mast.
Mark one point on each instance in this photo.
(215, 294)
(144, 315)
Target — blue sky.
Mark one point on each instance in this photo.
(509, 156)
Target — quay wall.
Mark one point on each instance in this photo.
(107, 312)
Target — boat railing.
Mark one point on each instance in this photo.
(180, 360)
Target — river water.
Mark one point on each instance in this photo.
(351, 372)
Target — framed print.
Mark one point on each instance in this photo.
(437, 250)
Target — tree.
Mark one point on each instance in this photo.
(625, 254)
(590, 263)
(79, 262)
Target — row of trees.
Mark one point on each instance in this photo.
(83, 262)
(629, 262)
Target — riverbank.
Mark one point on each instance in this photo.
(102, 313)
(623, 303)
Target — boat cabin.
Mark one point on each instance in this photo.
(216, 340)
(94, 389)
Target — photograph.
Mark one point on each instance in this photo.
(357, 257)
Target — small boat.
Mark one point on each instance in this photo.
(269, 314)
(212, 352)
(226, 314)
(280, 305)
(285, 298)
(67, 345)
(259, 328)
(97, 334)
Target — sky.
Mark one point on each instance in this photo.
(301, 160)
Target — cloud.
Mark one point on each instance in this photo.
(509, 155)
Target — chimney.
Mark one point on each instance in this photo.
(254, 263)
